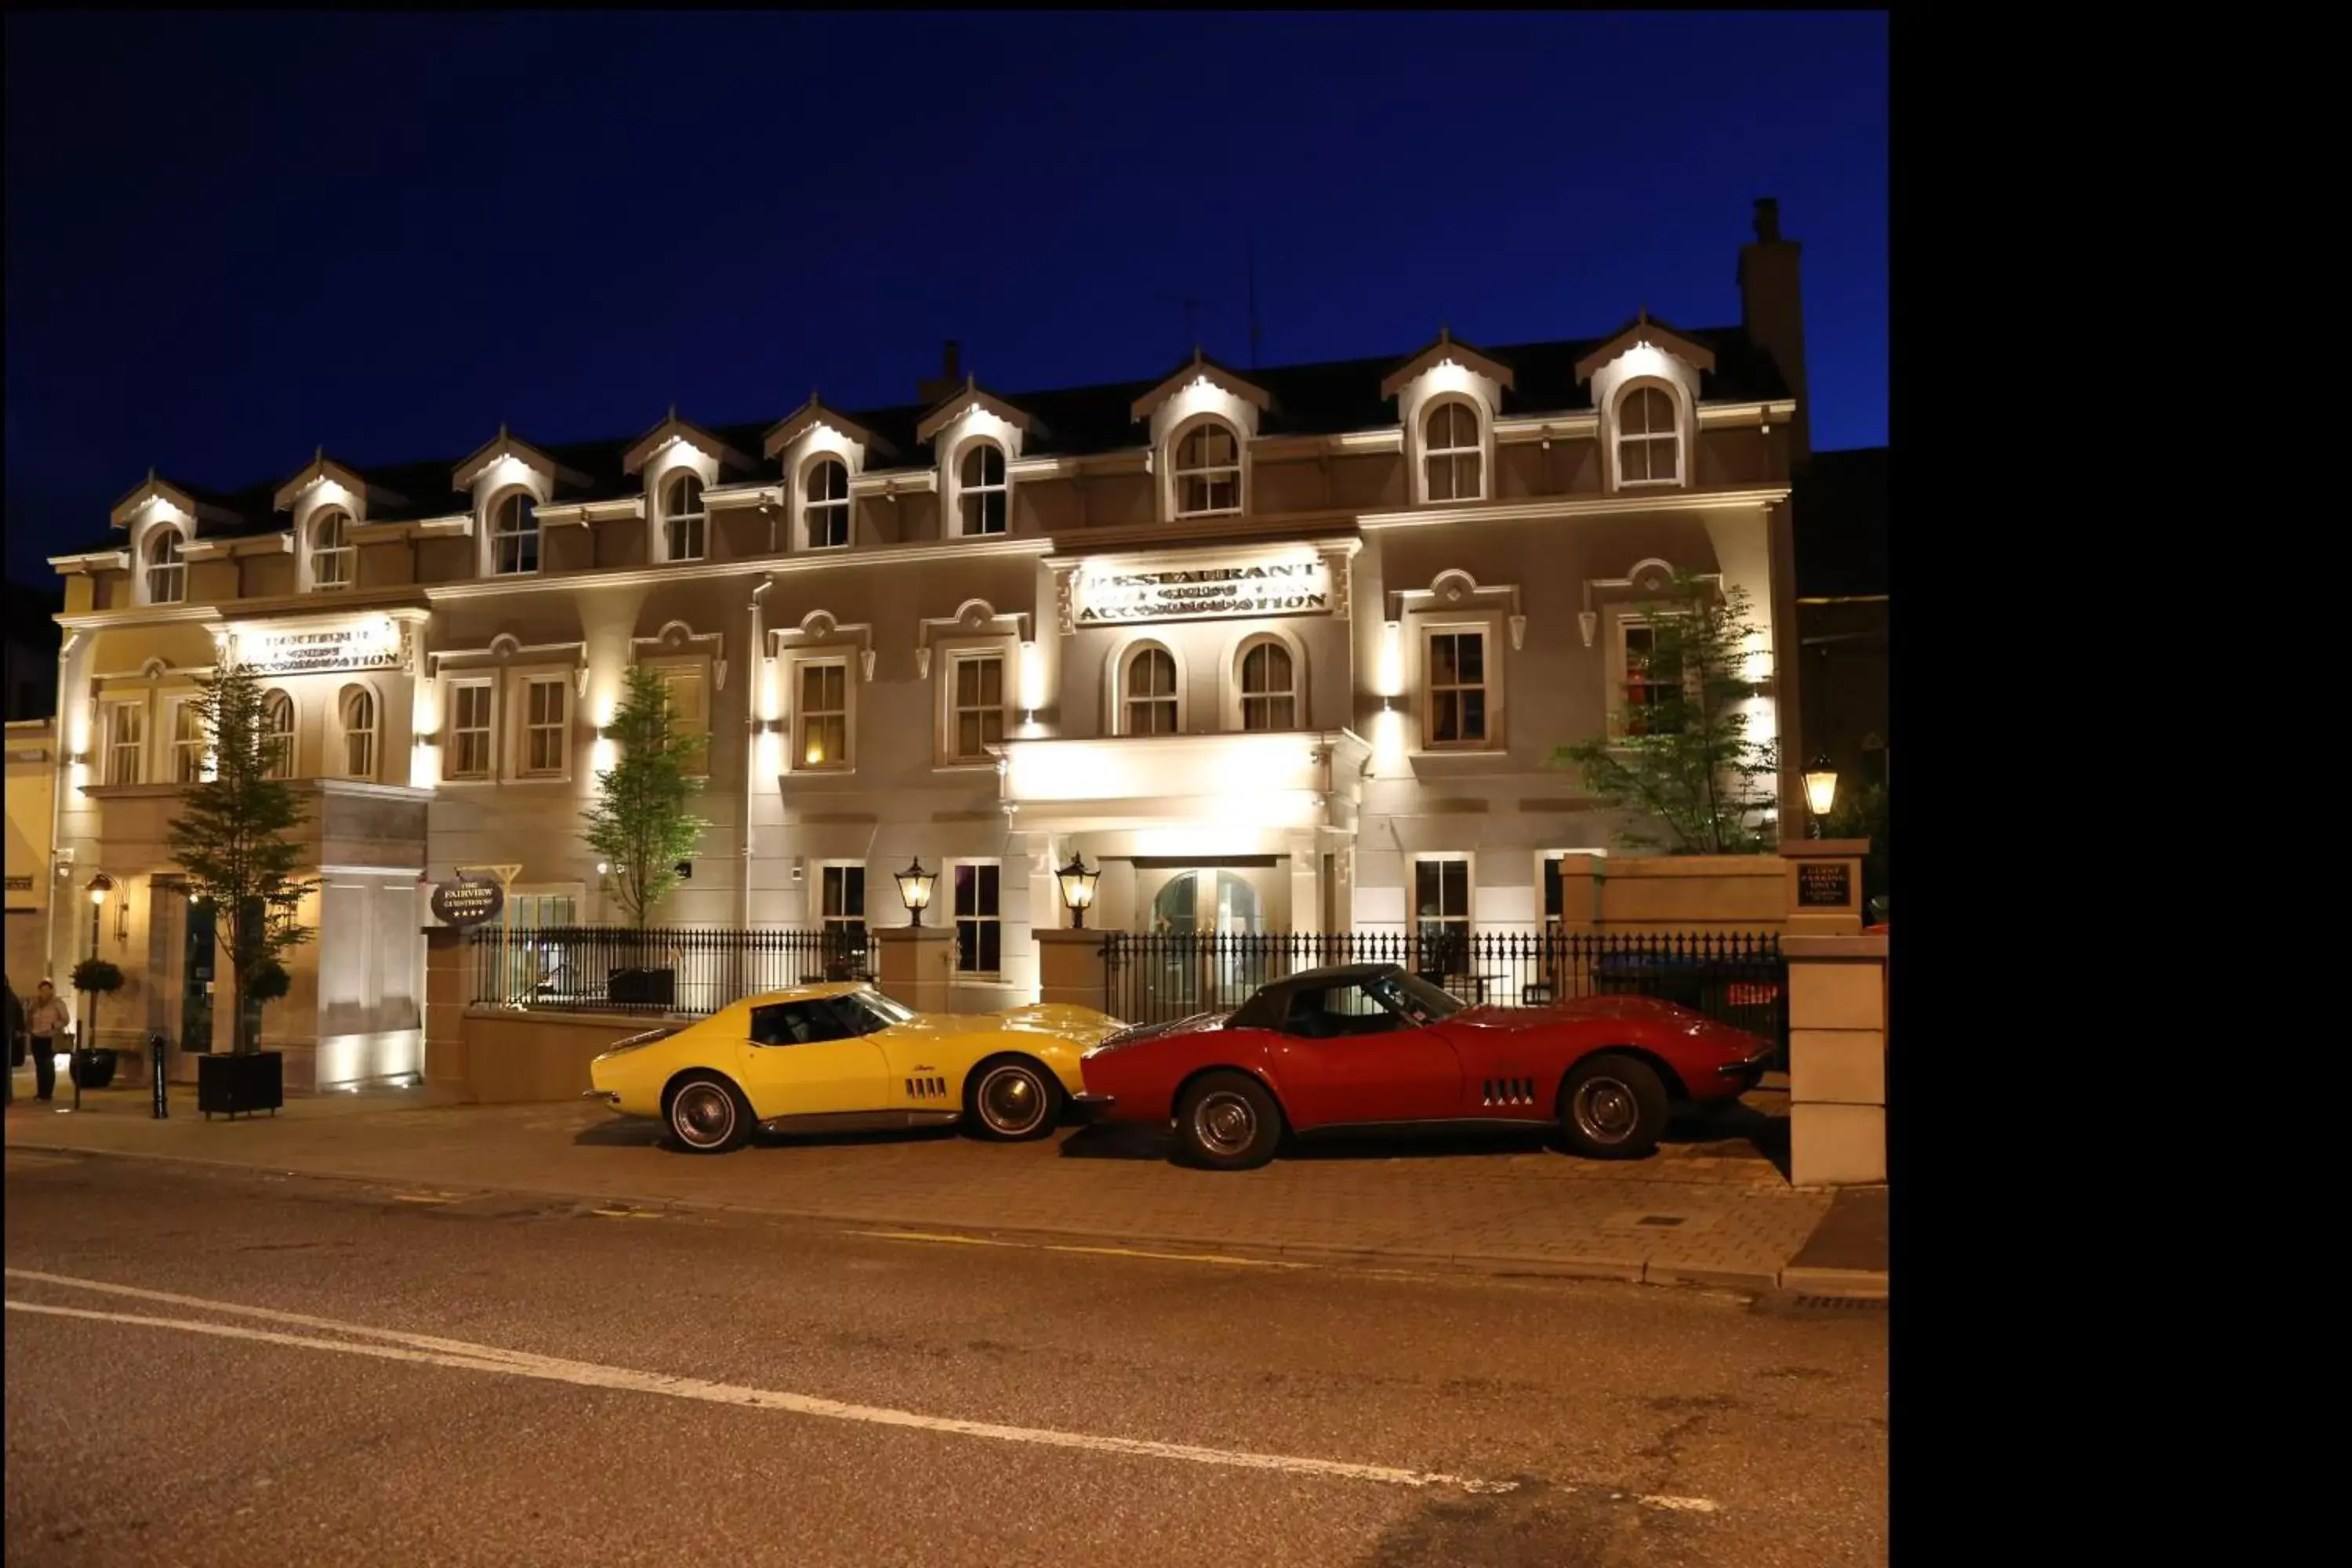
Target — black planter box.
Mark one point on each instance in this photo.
(641, 987)
(236, 1085)
(92, 1068)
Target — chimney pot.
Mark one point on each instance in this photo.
(1768, 220)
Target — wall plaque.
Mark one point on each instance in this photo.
(1825, 884)
(468, 901)
(1105, 596)
(363, 645)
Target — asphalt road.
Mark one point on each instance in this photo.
(526, 1382)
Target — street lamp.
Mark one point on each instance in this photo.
(99, 885)
(1079, 888)
(1821, 789)
(914, 890)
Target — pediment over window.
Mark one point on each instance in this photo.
(1200, 369)
(808, 417)
(1644, 332)
(673, 429)
(196, 506)
(324, 471)
(1446, 348)
(506, 447)
(966, 398)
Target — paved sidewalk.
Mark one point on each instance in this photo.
(1710, 1207)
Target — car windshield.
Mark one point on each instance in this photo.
(884, 1011)
(1415, 997)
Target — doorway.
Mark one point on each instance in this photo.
(197, 952)
(1207, 941)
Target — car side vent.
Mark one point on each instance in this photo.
(927, 1089)
(1510, 1091)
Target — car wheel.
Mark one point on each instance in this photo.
(1011, 1099)
(1612, 1107)
(707, 1115)
(1227, 1121)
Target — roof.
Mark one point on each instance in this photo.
(1839, 502)
(1325, 397)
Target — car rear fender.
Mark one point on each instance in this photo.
(1675, 1088)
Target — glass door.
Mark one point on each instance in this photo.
(198, 952)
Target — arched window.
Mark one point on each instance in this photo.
(278, 735)
(1269, 687)
(1450, 455)
(356, 707)
(980, 488)
(1208, 472)
(334, 560)
(167, 578)
(1148, 692)
(683, 519)
(514, 535)
(1648, 445)
(825, 505)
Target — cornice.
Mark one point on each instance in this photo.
(750, 566)
(1739, 498)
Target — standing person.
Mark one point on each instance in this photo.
(45, 1021)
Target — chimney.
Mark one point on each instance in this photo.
(950, 375)
(1772, 311)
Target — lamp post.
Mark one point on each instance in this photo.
(1821, 789)
(914, 890)
(99, 885)
(1079, 888)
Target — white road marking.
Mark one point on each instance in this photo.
(463, 1356)
(1226, 1259)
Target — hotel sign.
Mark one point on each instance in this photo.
(1204, 592)
(366, 646)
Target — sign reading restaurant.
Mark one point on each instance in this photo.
(1204, 592)
(367, 645)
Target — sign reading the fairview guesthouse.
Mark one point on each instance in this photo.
(365, 645)
(468, 901)
(1204, 592)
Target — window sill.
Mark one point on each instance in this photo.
(1649, 484)
(1458, 761)
(965, 766)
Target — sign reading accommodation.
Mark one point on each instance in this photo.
(1825, 884)
(1205, 593)
(367, 645)
(468, 901)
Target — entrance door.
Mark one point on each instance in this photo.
(1214, 954)
(198, 950)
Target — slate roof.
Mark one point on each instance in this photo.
(1321, 398)
(1839, 501)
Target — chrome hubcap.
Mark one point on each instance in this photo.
(1606, 1110)
(1225, 1124)
(1011, 1100)
(703, 1114)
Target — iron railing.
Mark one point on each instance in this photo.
(1738, 977)
(689, 970)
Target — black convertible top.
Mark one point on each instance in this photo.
(1264, 1009)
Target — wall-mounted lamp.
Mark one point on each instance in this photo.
(914, 890)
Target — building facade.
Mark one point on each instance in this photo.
(1284, 649)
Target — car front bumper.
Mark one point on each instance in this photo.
(609, 1099)
(1091, 1108)
(1741, 1076)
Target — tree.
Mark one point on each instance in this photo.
(640, 823)
(230, 840)
(1682, 757)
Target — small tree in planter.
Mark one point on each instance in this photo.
(231, 845)
(641, 824)
(1681, 757)
(92, 1067)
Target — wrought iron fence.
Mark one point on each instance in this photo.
(662, 969)
(1738, 977)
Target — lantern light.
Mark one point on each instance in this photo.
(1821, 789)
(1079, 888)
(914, 890)
(99, 885)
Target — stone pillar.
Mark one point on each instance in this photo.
(1837, 1060)
(918, 964)
(1824, 885)
(449, 986)
(1070, 968)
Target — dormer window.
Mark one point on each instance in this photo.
(1207, 471)
(167, 576)
(1649, 443)
(1451, 455)
(514, 535)
(685, 523)
(981, 491)
(825, 505)
(333, 557)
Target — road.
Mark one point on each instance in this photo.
(293, 1371)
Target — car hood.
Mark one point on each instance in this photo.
(1650, 1010)
(1144, 1034)
(1080, 1025)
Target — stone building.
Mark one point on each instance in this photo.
(1277, 650)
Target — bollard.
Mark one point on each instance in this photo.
(158, 1070)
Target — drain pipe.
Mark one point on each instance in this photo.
(755, 671)
(61, 773)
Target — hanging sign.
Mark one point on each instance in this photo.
(468, 901)
(1204, 592)
(366, 645)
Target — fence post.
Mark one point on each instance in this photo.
(450, 961)
(1837, 1060)
(1070, 967)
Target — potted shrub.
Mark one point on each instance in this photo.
(244, 1082)
(641, 826)
(92, 1067)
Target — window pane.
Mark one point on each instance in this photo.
(1552, 900)
(992, 682)
(990, 938)
(1474, 715)
(1426, 893)
(1441, 478)
(966, 889)
(1443, 722)
(1442, 661)
(1465, 477)
(1470, 649)
(1455, 882)
(992, 512)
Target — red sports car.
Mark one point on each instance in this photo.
(1368, 1045)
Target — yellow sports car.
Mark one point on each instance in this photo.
(837, 1057)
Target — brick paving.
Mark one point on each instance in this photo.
(1712, 1207)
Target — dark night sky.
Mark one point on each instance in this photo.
(230, 239)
